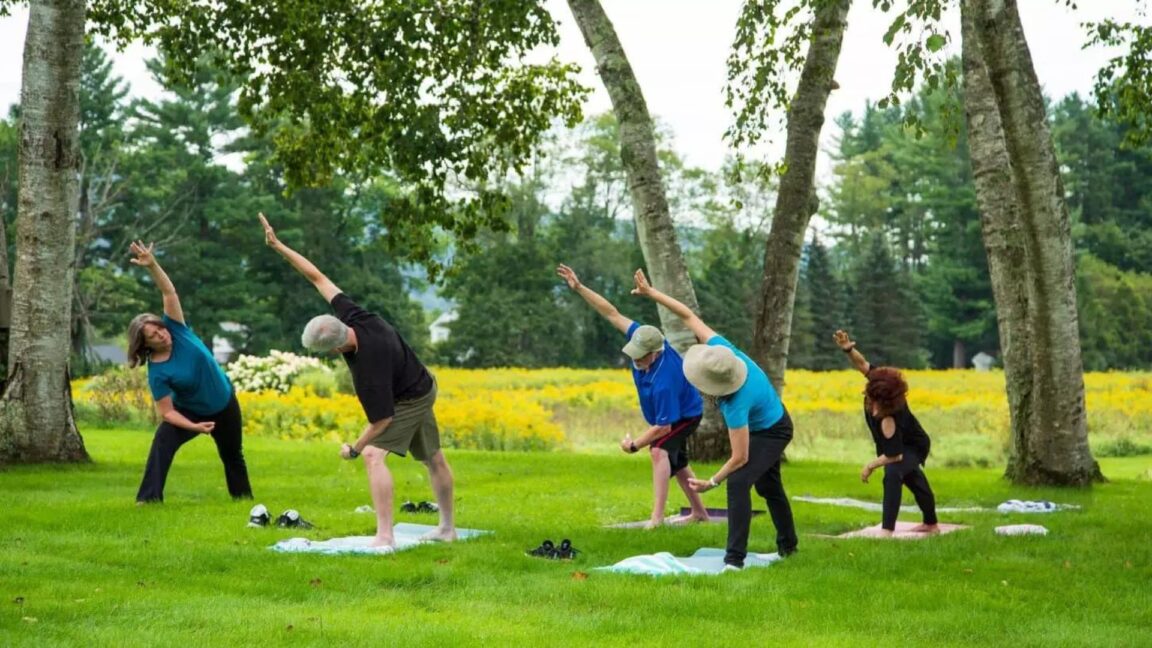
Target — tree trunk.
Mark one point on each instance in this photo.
(5, 303)
(959, 354)
(796, 201)
(654, 227)
(1052, 448)
(36, 422)
(657, 233)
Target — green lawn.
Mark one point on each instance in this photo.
(80, 564)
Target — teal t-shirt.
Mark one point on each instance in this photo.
(190, 375)
(756, 403)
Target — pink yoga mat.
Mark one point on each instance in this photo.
(903, 532)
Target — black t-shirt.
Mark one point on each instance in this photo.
(384, 368)
(909, 434)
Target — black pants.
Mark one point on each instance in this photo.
(907, 472)
(229, 441)
(762, 472)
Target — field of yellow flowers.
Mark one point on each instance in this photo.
(589, 410)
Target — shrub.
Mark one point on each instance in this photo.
(115, 396)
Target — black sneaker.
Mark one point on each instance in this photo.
(258, 517)
(545, 550)
(784, 553)
(427, 507)
(566, 551)
(408, 507)
(291, 519)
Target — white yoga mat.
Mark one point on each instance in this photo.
(406, 535)
(1021, 529)
(877, 507)
(705, 561)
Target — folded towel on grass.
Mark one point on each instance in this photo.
(406, 535)
(1024, 506)
(1021, 529)
(705, 561)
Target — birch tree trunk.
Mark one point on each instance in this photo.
(658, 242)
(1053, 448)
(1000, 227)
(36, 422)
(796, 200)
(654, 227)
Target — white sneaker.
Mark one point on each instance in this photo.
(258, 517)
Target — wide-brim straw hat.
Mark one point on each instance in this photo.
(714, 370)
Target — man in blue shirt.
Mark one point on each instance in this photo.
(670, 405)
(758, 426)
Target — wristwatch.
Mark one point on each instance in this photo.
(352, 452)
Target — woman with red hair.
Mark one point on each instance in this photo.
(902, 445)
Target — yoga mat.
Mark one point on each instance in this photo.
(874, 506)
(715, 515)
(902, 532)
(705, 561)
(406, 535)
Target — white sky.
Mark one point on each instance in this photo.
(678, 50)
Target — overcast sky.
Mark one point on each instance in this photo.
(678, 50)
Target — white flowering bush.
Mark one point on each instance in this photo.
(274, 372)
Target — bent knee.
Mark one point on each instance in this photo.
(372, 454)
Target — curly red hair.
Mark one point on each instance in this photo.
(887, 390)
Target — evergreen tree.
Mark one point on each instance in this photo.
(884, 314)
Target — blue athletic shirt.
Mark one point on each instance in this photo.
(190, 375)
(756, 403)
(665, 394)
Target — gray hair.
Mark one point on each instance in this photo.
(324, 333)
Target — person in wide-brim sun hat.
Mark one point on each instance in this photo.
(758, 426)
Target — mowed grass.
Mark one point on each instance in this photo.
(80, 564)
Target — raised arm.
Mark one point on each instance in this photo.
(143, 257)
(327, 289)
(848, 346)
(702, 331)
(594, 299)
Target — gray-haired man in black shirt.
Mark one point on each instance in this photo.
(396, 391)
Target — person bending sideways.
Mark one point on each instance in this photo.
(759, 429)
(902, 445)
(396, 391)
(670, 404)
(193, 395)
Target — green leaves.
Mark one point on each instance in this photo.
(437, 93)
(935, 42)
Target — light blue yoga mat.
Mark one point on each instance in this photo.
(406, 535)
(708, 560)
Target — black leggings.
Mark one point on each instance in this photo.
(228, 435)
(762, 472)
(907, 472)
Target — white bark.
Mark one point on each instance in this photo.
(1054, 447)
(36, 422)
(796, 200)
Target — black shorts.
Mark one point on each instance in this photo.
(675, 443)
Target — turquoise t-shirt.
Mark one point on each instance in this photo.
(756, 403)
(190, 375)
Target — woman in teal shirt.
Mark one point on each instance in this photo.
(193, 395)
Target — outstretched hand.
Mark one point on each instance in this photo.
(700, 485)
(568, 275)
(642, 288)
(143, 254)
(269, 233)
(842, 340)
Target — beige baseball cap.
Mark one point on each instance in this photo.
(645, 340)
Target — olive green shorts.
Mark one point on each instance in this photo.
(413, 427)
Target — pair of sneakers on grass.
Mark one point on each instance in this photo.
(290, 519)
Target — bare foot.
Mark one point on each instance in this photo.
(680, 520)
(652, 524)
(379, 542)
(439, 535)
(925, 528)
(885, 533)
